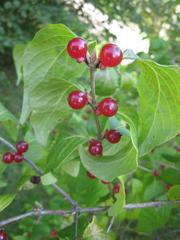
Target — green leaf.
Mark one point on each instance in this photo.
(48, 74)
(159, 92)
(174, 193)
(106, 82)
(117, 208)
(18, 53)
(72, 168)
(6, 200)
(153, 218)
(9, 121)
(48, 179)
(129, 54)
(63, 150)
(153, 190)
(111, 166)
(94, 231)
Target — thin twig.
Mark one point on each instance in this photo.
(93, 94)
(110, 224)
(40, 212)
(40, 172)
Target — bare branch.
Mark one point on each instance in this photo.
(41, 212)
(40, 172)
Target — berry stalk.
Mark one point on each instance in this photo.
(94, 105)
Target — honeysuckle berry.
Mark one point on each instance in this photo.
(53, 233)
(110, 55)
(105, 182)
(107, 107)
(77, 48)
(8, 157)
(116, 188)
(3, 235)
(35, 179)
(113, 136)
(77, 99)
(162, 166)
(156, 173)
(22, 147)
(90, 175)
(18, 158)
(95, 147)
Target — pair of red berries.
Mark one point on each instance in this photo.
(90, 175)
(110, 55)
(116, 187)
(21, 147)
(107, 107)
(3, 235)
(95, 146)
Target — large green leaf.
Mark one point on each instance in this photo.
(174, 193)
(48, 75)
(9, 121)
(18, 53)
(6, 200)
(153, 218)
(108, 167)
(63, 150)
(159, 92)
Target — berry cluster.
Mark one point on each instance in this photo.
(116, 186)
(110, 56)
(21, 148)
(3, 235)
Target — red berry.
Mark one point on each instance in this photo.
(53, 233)
(110, 55)
(105, 182)
(35, 179)
(77, 48)
(22, 146)
(8, 158)
(116, 188)
(107, 107)
(3, 235)
(18, 157)
(113, 136)
(95, 147)
(90, 175)
(77, 99)
(156, 173)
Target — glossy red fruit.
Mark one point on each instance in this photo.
(107, 107)
(77, 99)
(22, 147)
(35, 179)
(110, 55)
(8, 158)
(90, 175)
(3, 235)
(113, 136)
(95, 147)
(105, 182)
(77, 48)
(156, 173)
(18, 157)
(116, 188)
(53, 233)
